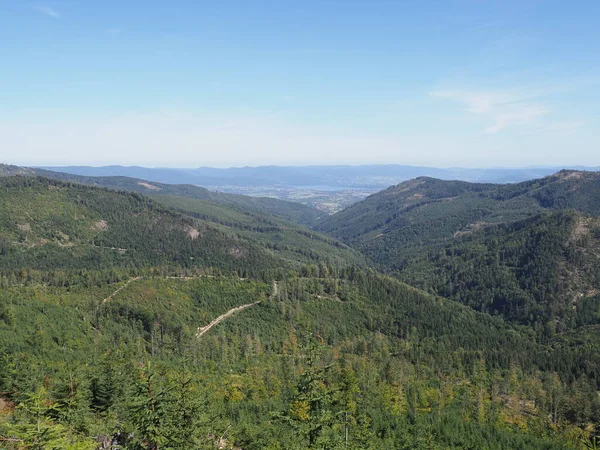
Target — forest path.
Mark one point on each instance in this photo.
(204, 330)
(232, 311)
(131, 280)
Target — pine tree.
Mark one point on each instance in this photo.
(310, 410)
(149, 412)
(36, 430)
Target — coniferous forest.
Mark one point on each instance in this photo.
(434, 315)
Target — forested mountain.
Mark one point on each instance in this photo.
(288, 239)
(270, 223)
(499, 248)
(292, 211)
(174, 323)
(426, 209)
(48, 224)
(279, 225)
(10, 170)
(543, 271)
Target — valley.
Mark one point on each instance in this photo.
(433, 314)
(327, 199)
(326, 188)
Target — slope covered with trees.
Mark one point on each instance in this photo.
(426, 210)
(519, 250)
(276, 225)
(281, 226)
(291, 211)
(543, 271)
(289, 240)
(48, 224)
(332, 360)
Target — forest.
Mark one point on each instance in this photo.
(178, 323)
(527, 251)
(350, 360)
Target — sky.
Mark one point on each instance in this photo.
(187, 83)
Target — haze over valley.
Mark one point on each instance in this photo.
(327, 188)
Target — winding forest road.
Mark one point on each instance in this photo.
(131, 280)
(232, 311)
(201, 330)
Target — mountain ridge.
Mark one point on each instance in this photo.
(271, 223)
(340, 176)
(444, 236)
(288, 210)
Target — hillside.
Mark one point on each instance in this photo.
(544, 270)
(291, 211)
(416, 230)
(351, 360)
(291, 241)
(440, 208)
(48, 224)
(270, 223)
(10, 170)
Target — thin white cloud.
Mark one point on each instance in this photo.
(51, 12)
(477, 102)
(567, 128)
(522, 115)
(503, 108)
(113, 31)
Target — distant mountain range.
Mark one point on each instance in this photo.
(360, 177)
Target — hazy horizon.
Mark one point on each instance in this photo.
(516, 167)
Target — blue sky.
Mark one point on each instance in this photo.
(191, 83)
